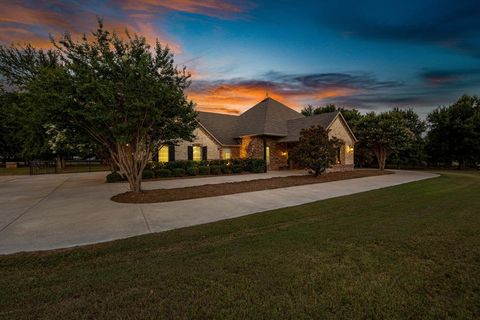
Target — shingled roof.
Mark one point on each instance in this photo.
(222, 127)
(268, 117)
(296, 125)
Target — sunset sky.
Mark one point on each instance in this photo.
(372, 55)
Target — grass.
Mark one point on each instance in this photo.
(410, 251)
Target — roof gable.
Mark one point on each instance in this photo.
(268, 117)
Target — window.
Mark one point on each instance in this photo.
(227, 154)
(197, 153)
(163, 154)
(337, 157)
(267, 155)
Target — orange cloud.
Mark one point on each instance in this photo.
(28, 23)
(214, 8)
(232, 98)
(335, 93)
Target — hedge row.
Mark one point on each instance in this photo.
(193, 168)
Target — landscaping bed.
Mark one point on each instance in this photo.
(220, 189)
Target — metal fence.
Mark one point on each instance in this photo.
(71, 166)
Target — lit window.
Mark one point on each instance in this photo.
(227, 154)
(163, 154)
(268, 155)
(197, 153)
(338, 156)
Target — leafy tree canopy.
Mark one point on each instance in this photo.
(123, 93)
(454, 133)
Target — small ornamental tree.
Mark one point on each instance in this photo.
(123, 93)
(315, 150)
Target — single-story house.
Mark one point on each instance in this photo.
(268, 130)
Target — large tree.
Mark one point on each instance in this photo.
(384, 133)
(315, 150)
(412, 153)
(122, 92)
(455, 133)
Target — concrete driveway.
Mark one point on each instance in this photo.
(56, 211)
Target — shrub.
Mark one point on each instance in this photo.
(148, 174)
(163, 173)
(178, 172)
(315, 150)
(254, 165)
(218, 162)
(114, 177)
(184, 164)
(192, 171)
(215, 169)
(237, 169)
(203, 170)
(225, 169)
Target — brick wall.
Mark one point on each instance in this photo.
(252, 147)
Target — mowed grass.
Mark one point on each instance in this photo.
(411, 251)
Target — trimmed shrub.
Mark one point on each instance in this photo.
(192, 171)
(215, 169)
(203, 170)
(237, 169)
(218, 162)
(114, 177)
(163, 173)
(148, 174)
(178, 172)
(225, 169)
(254, 165)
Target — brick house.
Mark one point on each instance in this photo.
(268, 130)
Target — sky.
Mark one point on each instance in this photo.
(370, 55)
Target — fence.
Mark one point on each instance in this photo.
(71, 166)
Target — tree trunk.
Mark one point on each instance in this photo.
(381, 155)
(131, 160)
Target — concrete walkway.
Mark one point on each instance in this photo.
(65, 210)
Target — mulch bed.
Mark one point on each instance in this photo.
(220, 189)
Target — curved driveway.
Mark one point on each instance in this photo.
(65, 210)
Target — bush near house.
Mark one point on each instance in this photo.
(237, 169)
(148, 174)
(181, 168)
(163, 173)
(204, 170)
(178, 172)
(192, 171)
(225, 169)
(114, 177)
(215, 170)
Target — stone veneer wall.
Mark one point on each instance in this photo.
(340, 131)
(201, 139)
(234, 152)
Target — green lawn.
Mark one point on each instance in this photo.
(411, 251)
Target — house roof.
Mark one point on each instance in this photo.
(268, 117)
(296, 125)
(222, 127)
